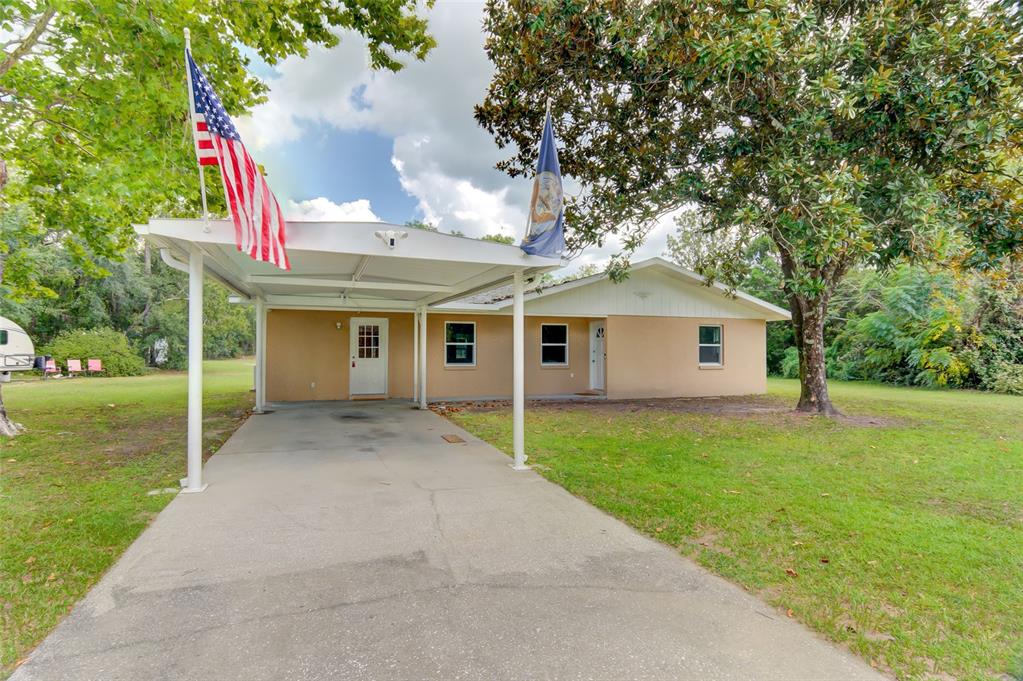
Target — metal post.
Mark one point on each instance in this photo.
(415, 355)
(422, 358)
(195, 282)
(260, 354)
(518, 375)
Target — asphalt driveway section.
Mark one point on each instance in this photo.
(351, 541)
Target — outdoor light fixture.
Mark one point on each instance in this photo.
(338, 326)
(391, 237)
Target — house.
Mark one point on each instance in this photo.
(661, 333)
(372, 311)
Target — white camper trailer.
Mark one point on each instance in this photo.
(17, 353)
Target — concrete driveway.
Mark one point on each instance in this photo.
(350, 541)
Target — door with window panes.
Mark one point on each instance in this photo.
(368, 350)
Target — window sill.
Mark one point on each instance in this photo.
(555, 366)
(459, 367)
(711, 367)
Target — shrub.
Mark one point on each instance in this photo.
(108, 345)
(1005, 378)
(790, 362)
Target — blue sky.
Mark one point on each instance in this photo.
(342, 142)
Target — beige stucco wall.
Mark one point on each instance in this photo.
(646, 357)
(492, 375)
(658, 357)
(305, 347)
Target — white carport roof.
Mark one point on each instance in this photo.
(349, 265)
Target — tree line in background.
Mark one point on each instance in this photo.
(135, 316)
(910, 324)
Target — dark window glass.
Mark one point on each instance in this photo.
(710, 354)
(553, 333)
(460, 354)
(3, 337)
(460, 333)
(710, 335)
(553, 354)
(459, 343)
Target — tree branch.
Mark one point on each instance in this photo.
(29, 42)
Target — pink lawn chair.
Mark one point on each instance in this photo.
(95, 366)
(74, 366)
(50, 368)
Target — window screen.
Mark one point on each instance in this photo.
(460, 343)
(710, 345)
(554, 344)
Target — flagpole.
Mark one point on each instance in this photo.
(195, 137)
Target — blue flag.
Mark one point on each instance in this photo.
(546, 233)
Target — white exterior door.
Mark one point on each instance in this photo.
(598, 355)
(368, 350)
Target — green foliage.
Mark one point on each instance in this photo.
(119, 358)
(147, 301)
(499, 238)
(914, 337)
(848, 133)
(1006, 378)
(421, 224)
(790, 363)
(94, 143)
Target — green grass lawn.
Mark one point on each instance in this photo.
(901, 538)
(73, 489)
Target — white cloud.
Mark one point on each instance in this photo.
(442, 157)
(325, 210)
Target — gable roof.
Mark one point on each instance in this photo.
(499, 299)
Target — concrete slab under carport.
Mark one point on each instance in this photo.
(349, 541)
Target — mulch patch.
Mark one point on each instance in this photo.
(746, 406)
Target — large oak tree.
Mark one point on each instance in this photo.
(847, 132)
(94, 131)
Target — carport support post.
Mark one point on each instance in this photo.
(260, 354)
(415, 356)
(193, 483)
(518, 375)
(422, 358)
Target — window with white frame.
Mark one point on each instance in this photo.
(710, 345)
(554, 345)
(460, 344)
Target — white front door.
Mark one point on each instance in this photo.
(368, 350)
(598, 355)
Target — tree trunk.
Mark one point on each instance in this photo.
(808, 319)
(8, 427)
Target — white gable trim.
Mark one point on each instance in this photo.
(729, 303)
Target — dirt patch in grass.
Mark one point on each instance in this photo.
(745, 406)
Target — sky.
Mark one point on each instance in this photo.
(340, 141)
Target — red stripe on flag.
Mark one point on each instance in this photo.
(229, 192)
(201, 126)
(209, 161)
(205, 144)
(264, 222)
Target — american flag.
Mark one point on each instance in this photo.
(259, 226)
